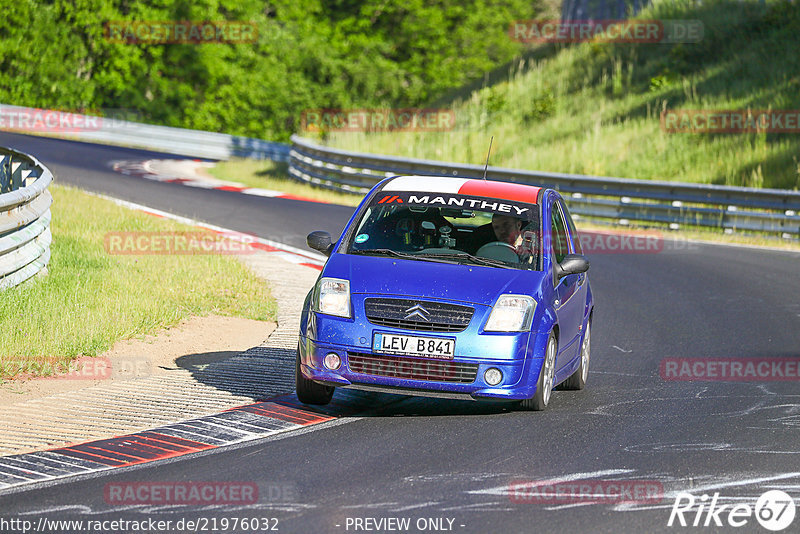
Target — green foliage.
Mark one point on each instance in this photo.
(496, 99)
(308, 55)
(541, 107)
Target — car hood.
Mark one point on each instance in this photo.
(411, 278)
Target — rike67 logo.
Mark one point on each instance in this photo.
(774, 510)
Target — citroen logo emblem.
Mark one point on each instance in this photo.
(417, 312)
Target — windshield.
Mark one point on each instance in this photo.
(450, 229)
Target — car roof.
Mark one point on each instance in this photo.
(464, 186)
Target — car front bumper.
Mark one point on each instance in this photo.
(517, 356)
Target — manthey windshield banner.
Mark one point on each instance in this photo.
(437, 200)
(507, 198)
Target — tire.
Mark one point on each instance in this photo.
(544, 387)
(308, 391)
(577, 380)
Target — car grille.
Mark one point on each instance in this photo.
(412, 369)
(441, 317)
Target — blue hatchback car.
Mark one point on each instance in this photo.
(449, 287)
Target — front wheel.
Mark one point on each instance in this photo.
(308, 391)
(544, 387)
(577, 380)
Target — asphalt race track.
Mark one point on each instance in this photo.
(457, 463)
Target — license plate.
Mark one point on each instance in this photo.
(427, 347)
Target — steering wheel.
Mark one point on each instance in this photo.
(498, 250)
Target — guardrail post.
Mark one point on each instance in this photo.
(16, 175)
(5, 174)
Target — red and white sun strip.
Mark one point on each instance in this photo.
(286, 252)
(464, 186)
(154, 170)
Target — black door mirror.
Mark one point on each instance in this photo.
(320, 241)
(571, 264)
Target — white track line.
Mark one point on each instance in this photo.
(295, 255)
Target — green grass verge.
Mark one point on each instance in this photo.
(595, 108)
(267, 174)
(90, 299)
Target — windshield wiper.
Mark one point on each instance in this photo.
(476, 259)
(402, 255)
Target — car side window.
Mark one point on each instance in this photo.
(558, 234)
(576, 239)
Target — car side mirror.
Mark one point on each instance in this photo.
(571, 264)
(320, 241)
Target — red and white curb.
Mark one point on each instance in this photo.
(231, 427)
(185, 172)
(286, 252)
(195, 435)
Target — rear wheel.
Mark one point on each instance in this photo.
(577, 380)
(544, 387)
(308, 391)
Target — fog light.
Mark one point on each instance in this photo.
(493, 376)
(332, 361)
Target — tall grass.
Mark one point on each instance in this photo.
(595, 108)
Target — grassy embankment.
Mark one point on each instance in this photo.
(91, 298)
(595, 108)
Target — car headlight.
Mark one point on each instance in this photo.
(333, 297)
(511, 313)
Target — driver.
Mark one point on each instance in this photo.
(508, 229)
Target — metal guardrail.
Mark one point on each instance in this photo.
(111, 130)
(623, 200)
(24, 217)
(677, 204)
